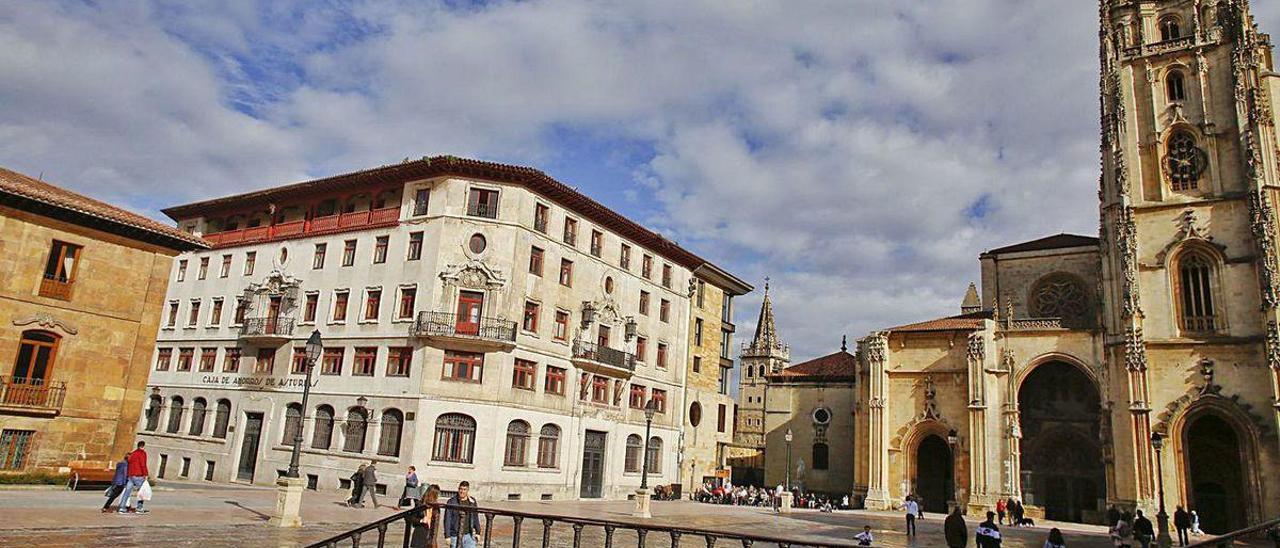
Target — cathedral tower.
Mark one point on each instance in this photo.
(1189, 293)
(763, 356)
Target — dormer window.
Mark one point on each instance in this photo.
(1169, 29)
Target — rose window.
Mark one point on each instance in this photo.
(1060, 297)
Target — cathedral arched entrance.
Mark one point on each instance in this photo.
(1059, 409)
(1215, 478)
(935, 473)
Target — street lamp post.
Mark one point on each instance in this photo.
(289, 488)
(788, 436)
(1162, 518)
(314, 347)
(952, 440)
(642, 494)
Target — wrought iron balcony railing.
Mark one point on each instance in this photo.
(488, 211)
(446, 324)
(267, 327)
(584, 350)
(550, 530)
(23, 394)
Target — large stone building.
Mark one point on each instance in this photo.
(81, 285)
(1051, 386)
(481, 321)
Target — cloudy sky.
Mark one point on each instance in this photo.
(860, 153)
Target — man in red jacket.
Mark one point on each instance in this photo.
(137, 475)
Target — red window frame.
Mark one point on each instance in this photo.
(531, 312)
(535, 261)
(661, 360)
(231, 360)
(299, 363)
(208, 358)
(331, 363)
(399, 361)
(599, 389)
(637, 396)
(566, 272)
(641, 344)
(660, 398)
(372, 304)
(524, 374)
(185, 356)
(463, 366)
(163, 358)
(309, 309)
(561, 331)
(340, 301)
(366, 359)
(554, 382)
(408, 301)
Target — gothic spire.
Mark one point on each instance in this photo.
(971, 302)
(766, 333)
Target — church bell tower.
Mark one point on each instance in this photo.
(1188, 226)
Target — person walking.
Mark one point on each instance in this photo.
(1195, 524)
(864, 538)
(1055, 539)
(461, 521)
(912, 509)
(988, 533)
(118, 482)
(1000, 508)
(371, 483)
(954, 530)
(1122, 532)
(137, 470)
(1143, 532)
(409, 496)
(357, 488)
(1182, 522)
(423, 535)
(1018, 512)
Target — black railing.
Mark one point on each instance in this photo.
(445, 324)
(488, 211)
(267, 327)
(1269, 529)
(581, 531)
(33, 394)
(602, 354)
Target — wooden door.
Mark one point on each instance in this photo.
(470, 307)
(273, 316)
(249, 448)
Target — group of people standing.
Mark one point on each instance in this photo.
(1129, 528)
(1013, 507)
(461, 524)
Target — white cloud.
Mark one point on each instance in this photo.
(838, 146)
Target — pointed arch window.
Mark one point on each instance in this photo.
(322, 438)
(389, 440)
(1196, 312)
(1175, 86)
(1170, 29)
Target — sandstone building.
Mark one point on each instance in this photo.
(81, 284)
(481, 321)
(1052, 382)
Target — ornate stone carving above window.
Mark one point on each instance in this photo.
(1060, 296)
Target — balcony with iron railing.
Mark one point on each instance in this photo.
(338, 222)
(488, 211)
(31, 396)
(598, 358)
(55, 287)
(267, 331)
(448, 330)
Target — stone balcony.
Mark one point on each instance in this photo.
(267, 331)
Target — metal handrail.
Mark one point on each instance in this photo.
(267, 326)
(603, 354)
(1272, 527)
(610, 527)
(445, 324)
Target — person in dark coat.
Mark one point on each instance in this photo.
(117, 483)
(461, 521)
(955, 531)
(371, 483)
(1113, 515)
(357, 487)
(1142, 530)
(423, 536)
(988, 533)
(1182, 522)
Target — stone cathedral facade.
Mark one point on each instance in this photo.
(1076, 350)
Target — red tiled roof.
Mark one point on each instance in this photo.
(839, 366)
(963, 322)
(436, 166)
(29, 189)
(1057, 241)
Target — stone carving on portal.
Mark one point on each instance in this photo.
(1206, 369)
(47, 321)
(473, 274)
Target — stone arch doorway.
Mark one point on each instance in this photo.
(935, 474)
(1062, 468)
(1215, 478)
